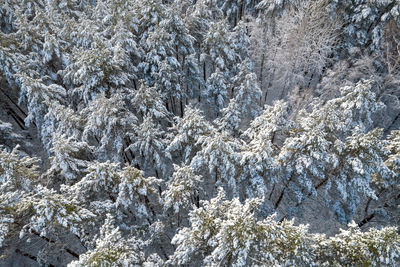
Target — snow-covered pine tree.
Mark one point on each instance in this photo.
(70, 157)
(17, 173)
(168, 49)
(376, 247)
(50, 210)
(109, 123)
(218, 160)
(216, 91)
(265, 134)
(183, 191)
(99, 69)
(8, 136)
(61, 119)
(135, 190)
(217, 51)
(246, 91)
(393, 161)
(112, 249)
(234, 10)
(106, 188)
(334, 147)
(185, 143)
(147, 101)
(29, 209)
(228, 232)
(148, 148)
(148, 14)
(37, 96)
(367, 18)
(230, 118)
(217, 54)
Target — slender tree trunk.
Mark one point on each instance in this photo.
(134, 84)
(172, 101)
(199, 93)
(279, 199)
(366, 220)
(241, 11)
(197, 200)
(204, 71)
(17, 118)
(272, 191)
(181, 105)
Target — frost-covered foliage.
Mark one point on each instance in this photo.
(149, 146)
(112, 249)
(16, 172)
(38, 97)
(147, 102)
(258, 162)
(333, 146)
(8, 201)
(17, 176)
(217, 90)
(7, 134)
(230, 118)
(70, 156)
(352, 247)
(166, 48)
(126, 188)
(228, 232)
(246, 90)
(216, 46)
(97, 70)
(33, 208)
(217, 55)
(219, 157)
(61, 120)
(119, 121)
(367, 20)
(393, 161)
(51, 210)
(272, 7)
(109, 121)
(182, 189)
(134, 190)
(244, 104)
(101, 179)
(187, 131)
(301, 38)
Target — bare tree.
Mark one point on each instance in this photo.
(294, 51)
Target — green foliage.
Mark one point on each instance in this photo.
(50, 210)
(182, 189)
(16, 172)
(355, 248)
(228, 232)
(111, 250)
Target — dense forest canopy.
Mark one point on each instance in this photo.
(199, 132)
